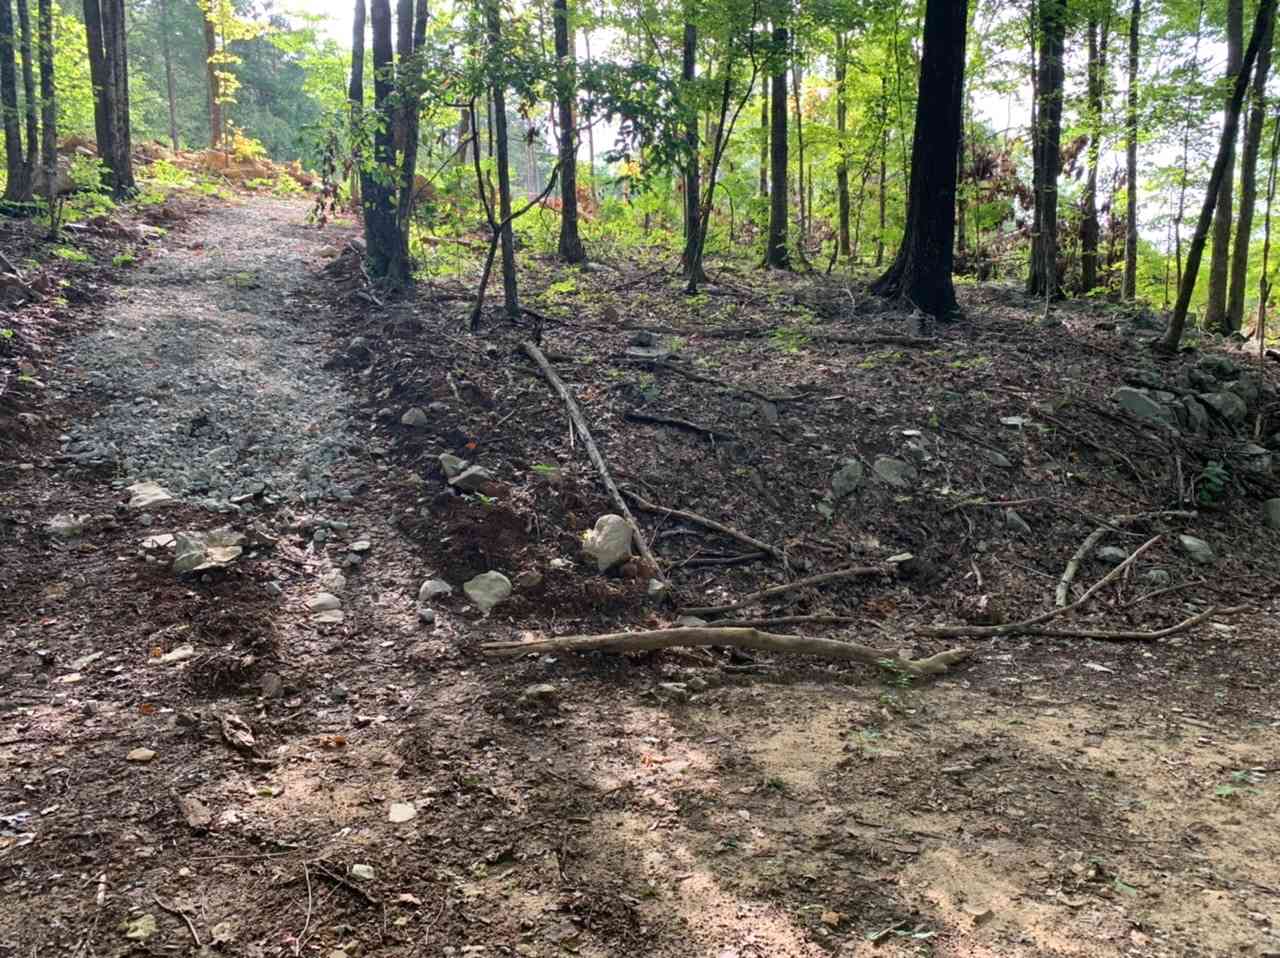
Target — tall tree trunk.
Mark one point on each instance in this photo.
(48, 105)
(1043, 280)
(591, 136)
(796, 85)
(1230, 127)
(842, 129)
(381, 232)
(211, 75)
(29, 94)
(169, 88)
(883, 198)
(511, 296)
(412, 34)
(691, 261)
(97, 77)
(1249, 184)
(1215, 313)
(15, 190)
(764, 141)
(115, 47)
(355, 103)
(1186, 150)
(776, 254)
(571, 250)
(921, 271)
(1096, 83)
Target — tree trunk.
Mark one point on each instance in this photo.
(1043, 280)
(117, 57)
(921, 271)
(1215, 313)
(381, 231)
(1230, 126)
(591, 136)
(764, 142)
(29, 94)
(97, 77)
(842, 128)
(211, 74)
(1249, 184)
(170, 92)
(1097, 72)
(776, 253)
(691, 260)
(571, 250)
(15, 190)
(48, 105)
(796, 84)
(511, 296)
(412, 34)
(1186, 149)
(883, 184)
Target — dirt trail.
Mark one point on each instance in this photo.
(1043, 801)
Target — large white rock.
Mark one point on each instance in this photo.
(487, 590)
(149, 495)
(609, 543)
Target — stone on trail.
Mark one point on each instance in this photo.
(1271, 513)
(847, 479)
(487, 590)
(1015, 522)
(1111, 555)
(324, 602)
(67, 526)
(1199, 550)
(609, 543)
(1257, 459)
(1227, 405)
(1141, 405)
(362, 872)
(434, 588)
(472, 479)
(1157, 578)
(402, 812)
(415, 417)
(544, 693)
(452, 465)
(1197, 415)
(140, 755)
(149, 495)
(895, 472)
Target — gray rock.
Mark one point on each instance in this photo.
(528, 580)
(675, 691)
(1137, 402)
(1271, 513)
(997, 458)
(1199, 550)
(149, 495)
(323, 602)
(1220, 367)
(609, 543)
(487, 590)
(894, 472)
(693, 622)
(1197, 415)
(415, 417)
(1157, 578)
(1227, 405)
(1015, 522)
(645, 337)
(66, 526)
(1257, 459)
(362, 872)
(544, 693)
(1247, 389)
(434, 588)
(1111, 555)
(329, 617)
(271, 685)
(847, 479)
(426, 616)
(472, 479)
(452, 465)
(1147, 320)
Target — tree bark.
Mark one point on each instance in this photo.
(764, 142)
(1130, 284)
(691, 260)
(1097, 70)
(381, 231)
(169, 88)
(796, 88)
(842, 128)
(29, 93)
(211, 75)
(1043, 279)
(776, 253)
(1215, 313)
(1262, 25)
(511, 296)
(411, 36)
(116, 58)
(15, 190)
(48, 105)
(571, 250)
(1249, 184)
(921, 271)
(98, 77)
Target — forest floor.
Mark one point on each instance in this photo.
(284, 754)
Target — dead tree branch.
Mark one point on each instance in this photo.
(852, 572)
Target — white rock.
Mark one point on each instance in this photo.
(180, 654)
(415, 417)
(362, 872)
(487, 590)
(609, 543)
(324, 602)
(329, 617)
(402, 812)
(148, 495)
(140, 755)
(433, 588)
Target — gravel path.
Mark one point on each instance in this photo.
(202, 378)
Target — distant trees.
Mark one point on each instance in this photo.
(109, 70)
(29, 154)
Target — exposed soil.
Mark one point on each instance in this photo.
(1052, 796)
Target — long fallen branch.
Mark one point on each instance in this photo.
(783, 620)
(738, 638)
(1011, 628)
(1106, 636)
(636, 416)
(580, 423)
(1105, 525)
(706, 523)
(852, 572)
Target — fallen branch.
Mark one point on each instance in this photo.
(191, 927)
(738, 638)
(636, 416)
(852, 572)
(1073, 565)
(783, 620)
(1138, 636)
(337, 879)
(706, 523)
(1024, 626)
(710, 380)
(580, 423)
(743, 559)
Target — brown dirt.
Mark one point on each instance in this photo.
(1051, 797)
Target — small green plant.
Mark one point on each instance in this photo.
(1242, 783)
(1211, 484)
(775, 783)
(895, 674)
(565, 287)
(788, 339)
(487, 501)
(71, 254)
(6, 333)
(125, 258)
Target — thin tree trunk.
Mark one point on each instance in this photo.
(29, 93)
(1043, 280)
(571, 250)
(1097, 88)
(511, 296)
(377, 192)
(411, 35)
(1186, 147)
(1264, 279)
(591, 136)
(691, 260)
(1230, 127)
(15, 191)
(97, 77)
(777, 255)
(842, 128)
(764, 142)
(115, 47)
(170, 91)
(211, 75)
(1215, 313)
(921, 271)
(1249, 185)
(884, 186)
(48, 107)
(796, 85)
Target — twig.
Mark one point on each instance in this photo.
(1023, 626)
(1138, 636)
(711, 380)
(739, 638)
(181, 914)
(1073, 565)
(852, 572)
(576, 419)
(636, 416)
(339, 880)
(297, 944)
(1165, 591)
(783, 620)
(742, 559)
(706, 523)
